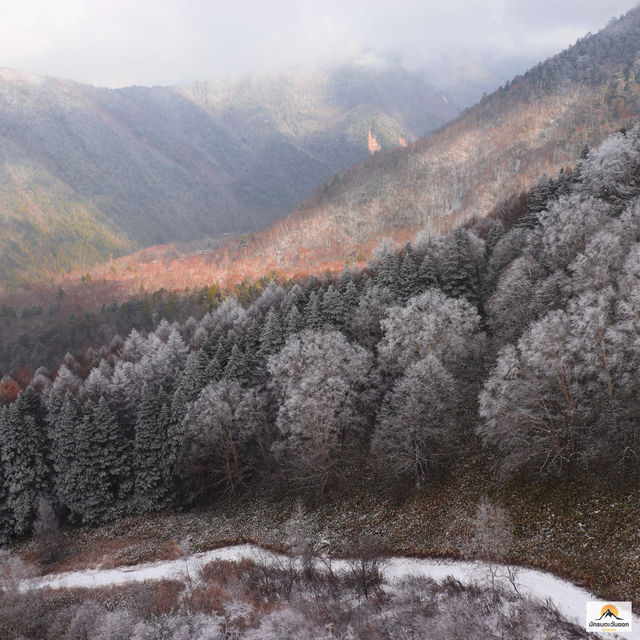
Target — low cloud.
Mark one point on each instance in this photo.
(119, 42)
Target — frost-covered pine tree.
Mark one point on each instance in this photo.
(344, 279)
(134, 347)
(427, 274)
(237, 367)
(167, 360)
(496, 233)
(409, 277)
(214, 370)
(96, 385)
(333, 310)
(459, 275)
(66, 459)
(540, 199)
(65, 380)
(23, 447)
(211, 344)
(350, 300)
(190, 381)
(150, 490)
(294, 321)
(388, 275)
(313, 312)
(215, 367)
(271, 338)
(6, 515)
(296, 297)
(105, 475)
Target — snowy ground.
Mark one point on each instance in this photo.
(569, 599)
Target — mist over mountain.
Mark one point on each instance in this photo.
(538, 123)
(90, 172)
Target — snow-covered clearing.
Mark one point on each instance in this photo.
(569, 599)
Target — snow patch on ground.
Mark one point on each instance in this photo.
(569, 599)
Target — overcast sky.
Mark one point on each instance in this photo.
(120, 42)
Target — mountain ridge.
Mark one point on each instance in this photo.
(144, 165)
(536, 124)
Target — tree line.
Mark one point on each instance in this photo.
(520, 333)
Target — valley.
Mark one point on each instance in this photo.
(318, 355)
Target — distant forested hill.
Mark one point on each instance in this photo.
(538, 123)
(88, 172)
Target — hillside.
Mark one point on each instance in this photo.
(500, 364)
(537, 124)
(474, 395)
(89, 172)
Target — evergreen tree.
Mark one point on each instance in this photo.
(148, 452)
(313, 312)
(251, 347)
(65, 454)
(271, 338)
(350, 297)
(296, 298)
(23, 441)
(217, 364)
(409, 277)
(388, 275)
(333, 308)
(237, 368)
(459, 273)
(211, 344)
(346, 277)
(170, 360)
(496, 233)
(190, 382)
(214, 370)
(313, 284)
(539, 200)
(427, 275)
(350, 301)
(327, 281)
(6, 516)
(105, 477)
(294, 321)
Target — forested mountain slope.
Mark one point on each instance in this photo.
(529, 338)
(88, 172)
(512, 349)
(538, 123)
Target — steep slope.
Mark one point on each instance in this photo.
(538, 123)
(140, 166)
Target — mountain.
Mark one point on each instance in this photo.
(538, 123)
(609, 614)
(88, 172)
(467, 79)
